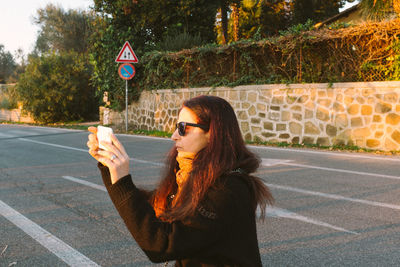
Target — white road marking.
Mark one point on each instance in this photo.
(80, 181)
(324, 152)
(54, 145)
(62, 250)
(272, 162)
(333, 196)
(332, 169)
(277, 212)
(85, 150)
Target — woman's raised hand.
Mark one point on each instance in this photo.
(114, 157)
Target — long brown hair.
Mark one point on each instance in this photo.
(226, 148)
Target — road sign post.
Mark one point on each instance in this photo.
(126, 71)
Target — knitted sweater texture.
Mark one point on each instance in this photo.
(221, 233)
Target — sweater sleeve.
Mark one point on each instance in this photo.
(162, 241)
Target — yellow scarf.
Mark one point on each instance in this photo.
(185, 161)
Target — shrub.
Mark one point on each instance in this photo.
(56, 87)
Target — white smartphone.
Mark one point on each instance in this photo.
(104, 134)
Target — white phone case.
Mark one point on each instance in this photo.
(104, 134)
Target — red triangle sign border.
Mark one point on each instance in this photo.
(134, 60)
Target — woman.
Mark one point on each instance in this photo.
(203, 213)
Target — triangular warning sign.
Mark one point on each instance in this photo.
(126, 55)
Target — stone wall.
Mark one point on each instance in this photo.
(362, 114)
(14, 115)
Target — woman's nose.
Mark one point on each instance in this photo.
(175, 136)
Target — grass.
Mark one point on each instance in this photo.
(156, 133)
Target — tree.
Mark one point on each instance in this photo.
(55, 87)
(7, 64)
(146, 25)
(62, 30)
(316, 10)
(56, 84)
(380, 9)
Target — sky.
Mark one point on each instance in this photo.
(16, 21)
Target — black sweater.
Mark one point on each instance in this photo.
(221, 233)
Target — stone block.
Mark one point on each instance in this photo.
(261, 115)
(268, 134)
(377, 118)
(322, 114)
(245, 105)
(242, 115)
(255, 120)
(396, 136)
(339, 98)
(390, 97)
(331, 130)
(295, 140)
(356, 122)
(367, 92)
(280, 127)
(341, 120)
(233, 96)
(295, 128)
(296, 108)
(390, 145)
(252, 97)
(297, 116)
(309, 114)
(255, 129)
(354, 109)
(310, 128)
(321, 93)
(244, 127)
(248, 137)
(252, 111)
(378, 134)
(302, 99)
(276, 108)
(277, 100)
(366, 110)
(286, 116)
(383, 107)
(337, 107)
(308, 140)
(348, 100)
(243, 95)
(350, 91)
(284, 136)
(325, 102)
(323, 141)
(268, 126)
(360, 100)
(393, 119)
(261, 107)
(361, 132)
(274, 116)
(373, 143)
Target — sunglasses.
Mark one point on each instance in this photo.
(181, 126)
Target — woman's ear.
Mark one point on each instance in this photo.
(208, 137)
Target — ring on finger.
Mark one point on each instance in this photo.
(113, 157)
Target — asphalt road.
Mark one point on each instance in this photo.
(332, 208)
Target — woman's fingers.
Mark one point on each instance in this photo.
(92, 129)
(118, 144)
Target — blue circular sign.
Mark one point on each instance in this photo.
(126, 71)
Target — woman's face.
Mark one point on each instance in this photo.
(195, 138)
